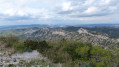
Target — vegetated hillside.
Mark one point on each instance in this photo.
(65, 53)
(22, 26)
(17, 53)
(68, 33)
(82, 35)
(77, 48)
(18, 32)
(112, 31)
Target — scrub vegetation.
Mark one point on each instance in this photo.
(68, 53)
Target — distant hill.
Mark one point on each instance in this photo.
(84, 35)
(112, 31)
(21, 26)
(60, 25)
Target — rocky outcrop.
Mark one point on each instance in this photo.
(15, 59)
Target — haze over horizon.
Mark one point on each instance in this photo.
(69, 12)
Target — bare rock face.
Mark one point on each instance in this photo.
(58, 33)
(81, 35)
(81, 30)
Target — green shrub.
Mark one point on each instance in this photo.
(29, 50)
(9, 40)
(19, 47)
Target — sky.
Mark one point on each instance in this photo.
(72, 12)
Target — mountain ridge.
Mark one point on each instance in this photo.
(81, 34)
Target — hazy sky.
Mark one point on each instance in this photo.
(13, 12)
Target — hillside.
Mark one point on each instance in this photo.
(64, 53)
(82, 35)
(95, 35)
(112, 31)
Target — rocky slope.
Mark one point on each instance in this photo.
(84, 35)
(21, 60)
